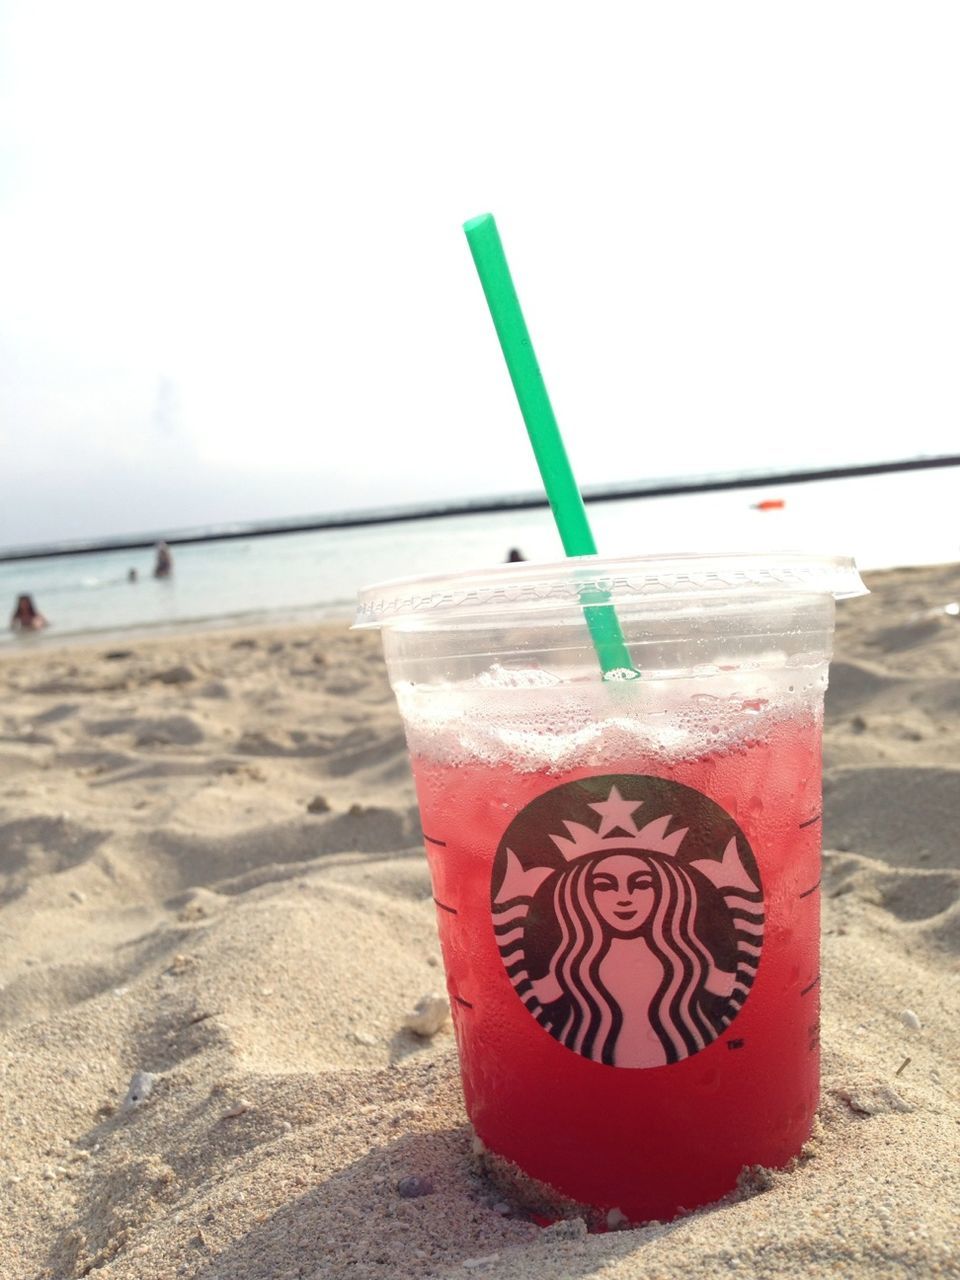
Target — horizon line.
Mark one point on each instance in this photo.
(232, 530)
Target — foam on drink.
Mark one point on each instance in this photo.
(533, 721)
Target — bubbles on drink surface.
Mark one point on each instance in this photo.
(501, 677)
(534, 719)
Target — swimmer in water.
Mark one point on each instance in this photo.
(26, 616)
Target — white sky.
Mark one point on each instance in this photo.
(234, 283)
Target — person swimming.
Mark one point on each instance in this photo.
(163, 567)
(26, 616)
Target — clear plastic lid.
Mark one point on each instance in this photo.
(555, 588)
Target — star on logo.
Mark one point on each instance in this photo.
(617, 814)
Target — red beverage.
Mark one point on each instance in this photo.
(626, 870)
(632, 956)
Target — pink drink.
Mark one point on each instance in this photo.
(713, 1078)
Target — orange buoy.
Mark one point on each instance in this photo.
(770, 504)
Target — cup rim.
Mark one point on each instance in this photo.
(546, 587)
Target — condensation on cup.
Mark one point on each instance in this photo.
(626, 871)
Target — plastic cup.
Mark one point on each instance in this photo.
(626, 872)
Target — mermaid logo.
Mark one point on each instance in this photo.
(634, 944)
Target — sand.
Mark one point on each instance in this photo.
(212, 888)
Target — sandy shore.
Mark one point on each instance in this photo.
(210, 873)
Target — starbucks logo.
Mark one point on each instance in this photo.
(628, 912)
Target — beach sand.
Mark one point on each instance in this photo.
(211, 873)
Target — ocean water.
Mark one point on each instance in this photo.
(884, 521)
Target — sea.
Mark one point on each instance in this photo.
(884, 521)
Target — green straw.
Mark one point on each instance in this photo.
(558, 479)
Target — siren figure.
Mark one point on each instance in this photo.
(631, 977)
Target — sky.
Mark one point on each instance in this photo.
(235, 286)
